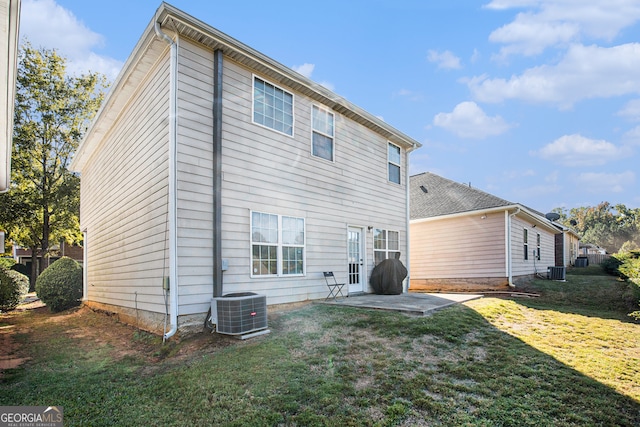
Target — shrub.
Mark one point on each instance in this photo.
(6, 262)
(60, 285)
(13, 287)
(21, 268)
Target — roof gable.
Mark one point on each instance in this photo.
(179, 24)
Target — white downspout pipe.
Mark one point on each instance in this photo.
(509, 247)
(408, 220)
(173, 138)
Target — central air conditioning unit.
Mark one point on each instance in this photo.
(243, 315)
(556, 273)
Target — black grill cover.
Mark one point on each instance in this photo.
(387, 277)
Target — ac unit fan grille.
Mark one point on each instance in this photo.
(241, 314)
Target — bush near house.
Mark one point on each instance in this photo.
(60, 285)
(13, 287)
(627, 266)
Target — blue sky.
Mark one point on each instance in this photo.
(534, 101)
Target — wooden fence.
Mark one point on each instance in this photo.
(595, 259)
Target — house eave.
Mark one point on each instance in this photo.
(523, 211)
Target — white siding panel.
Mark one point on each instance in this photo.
(195, 178)
(124, 202)
(458, 248)
(522, 267)
(266, 171)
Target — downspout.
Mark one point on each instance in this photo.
(509, 247)
(217, 173)
(173, 138)
(85, 263)
(408, 220)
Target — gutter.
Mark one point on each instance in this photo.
(509, 246)
(173, 126)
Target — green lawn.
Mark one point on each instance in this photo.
(568, 358)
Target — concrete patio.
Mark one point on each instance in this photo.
(419, 304)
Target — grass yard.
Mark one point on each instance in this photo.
(570, 357)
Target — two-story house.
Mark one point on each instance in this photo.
(213, 169)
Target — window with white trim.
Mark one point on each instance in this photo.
(272, 106)
(322, 134)
(277, 245)
(538, 240)
(394, 163)
(386, 245)
(525, 239)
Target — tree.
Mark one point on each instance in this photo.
(608, 226)
(52, 111)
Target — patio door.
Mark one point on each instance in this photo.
(357, 273)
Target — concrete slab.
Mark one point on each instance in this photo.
(410, 303)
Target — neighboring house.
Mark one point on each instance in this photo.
(591, 249)
(9, 25)
(465, 239)
(567, 244)
(210, 161)
(23, 255)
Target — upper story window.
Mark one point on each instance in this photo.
(272, 106)
(394, 163)
(277, 245)
(322, 136)
(386, 245)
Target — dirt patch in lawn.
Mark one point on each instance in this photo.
(31, 324)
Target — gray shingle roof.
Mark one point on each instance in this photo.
(442, 196)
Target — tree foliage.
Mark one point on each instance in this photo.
(614, 228)
(52, 111)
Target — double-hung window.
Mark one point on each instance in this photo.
(272, 106)
(525, 239)
(322, 136)
(277, 245)
(394, 163)
(386, 245)
(538, 248)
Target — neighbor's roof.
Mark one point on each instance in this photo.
(176, 22)
(432, 195)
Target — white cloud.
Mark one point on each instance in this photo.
(631, 110)
(595, 182)
(408, 94)
(551, 23)
(304, 69)
(576, 150)
(467, 120)
(584, 72)
(445, 60)
(307, 69)
(44, 23)
(632, 137)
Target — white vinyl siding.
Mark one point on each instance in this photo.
(124, 202)
(523, 267)
(270, 172)
(125, 191)
(458, 248)
(195, 178)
